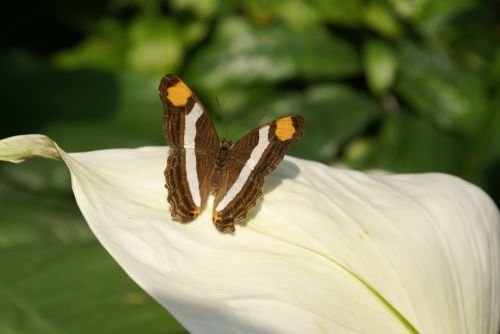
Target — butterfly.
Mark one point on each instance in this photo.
(200, 163)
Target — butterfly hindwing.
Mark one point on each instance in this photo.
(199, 163)
(250, 159)
(194, 144)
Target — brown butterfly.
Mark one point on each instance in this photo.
(200, 163)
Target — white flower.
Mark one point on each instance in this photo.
(326, 250)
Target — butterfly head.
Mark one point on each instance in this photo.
(226, 144)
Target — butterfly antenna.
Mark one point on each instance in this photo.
(222, 118)
(234, 133)
(264, 114)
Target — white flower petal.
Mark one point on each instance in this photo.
(19, 148)
(327, 250)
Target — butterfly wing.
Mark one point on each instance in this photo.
(194, 142)
(250, 159)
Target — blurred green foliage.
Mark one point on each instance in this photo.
(401, 85)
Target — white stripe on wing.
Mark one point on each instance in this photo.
(189, 137)
(245, 172)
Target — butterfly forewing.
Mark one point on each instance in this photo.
(194, 142)
(199, 163)
(250, 159)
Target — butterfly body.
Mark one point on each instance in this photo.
(220, 162)
(225, 146)
(199, 163)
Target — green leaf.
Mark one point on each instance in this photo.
(194, 32)
(135, 120)
(378, 16)
(300, 13)
(409, 144)
(84, 109)
(242, 53)
(239, 108)
(333, 114)
(41, 94)
(362, 153)
(435, 15)
(428, 16)
(52, 215)
(347, 13)
(380, 65)
(156, 45)
(481, 55)
(495, 68)
(433, 85)
(73, 288)
(55, 277)
(408, 8)
(139, 113)
(105, 49)
(482, 160)
(203, 9)
(296, 13)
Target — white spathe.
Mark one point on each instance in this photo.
(326, 250)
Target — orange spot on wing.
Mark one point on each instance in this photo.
(216, 218)
(285, 128)
(195, 212)
(178, 94)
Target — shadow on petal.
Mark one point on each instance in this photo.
(287, 170)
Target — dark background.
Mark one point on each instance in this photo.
(404, 86)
